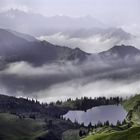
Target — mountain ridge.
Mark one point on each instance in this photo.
(19, 44)
(15, 19)
(37, 52)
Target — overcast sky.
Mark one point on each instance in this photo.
(114, 10)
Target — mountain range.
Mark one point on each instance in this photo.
(22, 47)
(39, 25)
(87, 33)
(107, 33)
(32, 67)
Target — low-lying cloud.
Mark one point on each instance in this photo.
(107, 88)
(96, 40)
(92, 44)
(54, 81)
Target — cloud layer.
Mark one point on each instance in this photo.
(93, 40)
(50, 82)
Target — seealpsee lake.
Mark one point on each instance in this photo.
(112, 113)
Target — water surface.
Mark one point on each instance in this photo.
(113, 113)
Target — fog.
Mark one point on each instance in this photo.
(50, 82)
(92, 44)
(106, 10)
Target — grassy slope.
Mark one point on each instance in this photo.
(12, 128)
(129, 134)
(129, 104)
(71, 135)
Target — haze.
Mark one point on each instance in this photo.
(101, 9)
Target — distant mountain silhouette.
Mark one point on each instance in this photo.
(37, 25)
(108, 33)
(23, 35)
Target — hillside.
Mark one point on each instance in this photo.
(28, 119)
(43, 121)
(133, 107)
(132, 102)
(13, 128)
(130, 134)
(22, 47)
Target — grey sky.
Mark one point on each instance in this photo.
(115, 10)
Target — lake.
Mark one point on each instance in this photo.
(112, 113)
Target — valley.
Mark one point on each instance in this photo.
(32, 120)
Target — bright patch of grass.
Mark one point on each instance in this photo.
(129, 104)
(129, 134)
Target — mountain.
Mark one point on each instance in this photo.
(21, 47)
(10, 43)
(23, 35)
(122, 56)
(37, 25)
(116, 33)
(84, 32)
(120, 52)
(14, 47)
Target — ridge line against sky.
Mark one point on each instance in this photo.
(102, 9)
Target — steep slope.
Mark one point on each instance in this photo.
(23, 35)
(10, 43)
(15, 48)
(122, 55)
(133, 106)
(121, 52)
(130, 134)
(132, 102)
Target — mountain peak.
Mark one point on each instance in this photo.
(121, 51)
(126, 48)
